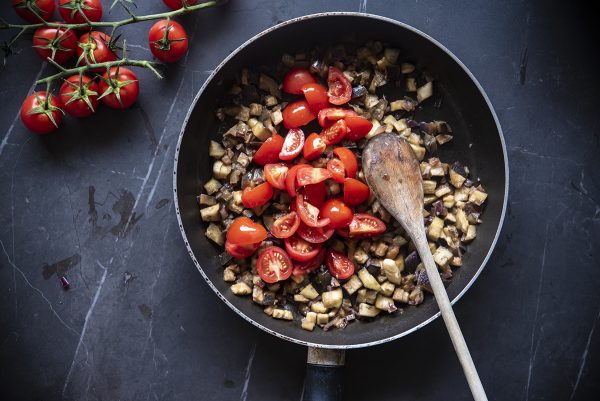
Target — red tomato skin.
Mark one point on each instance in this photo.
(291, 245)
(309, 214)
(177, 49)
(302, 268)
(330, 115)
(336, 168)
(339, 265)
(295, 79)
(129, 93)
(102, 53)
(358, 127)
(40, 123)
(91, 8)
(68, 41)
(275, 174)
(292, 144)
(283, 259)
(315, 235)
(79, 108)
(340, 89)
(335, 133)
(46, 7)
(316, 96)
(281, 228)
(297, 114)
(311, 175)
(364, 224)
(269, 151)
(243, 231)
(348, 159)
(241, 251)
(315, 194)
(257, 196)
(290, 178)
(313, 147)
(177, 4)
(355, 192)
(337, 212)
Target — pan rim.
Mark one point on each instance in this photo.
(404, 26)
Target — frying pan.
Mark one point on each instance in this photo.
(478, 142)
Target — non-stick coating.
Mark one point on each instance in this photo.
(478, 143)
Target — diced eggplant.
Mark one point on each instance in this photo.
(442, 256)
(377, 81)
(210, 213)
(220, 170)
(425, 92)
(269, 310)
(381, 249)
(366, 310)
(360, 256)
(419, 151)
(391, 271)
(391, 55)
(416, 296)
(358, 91)
(322, 318)
(300, 298)
(216, 150)
(214, 233)
(385, 303)
(368, 280)
(318, 307)
(261, 132)
(332, 299)
(406, 104)
(462, 194)
(478, 197)
(470, 235)
(207, 200)
(269, 85)
(241, 288)
(407, 68)
(270, 101)
(461, 221)
(309, 321)
(387, 288)
(456, 179)
(283, 314)
(411, 84)
(429, 187)
(371, 101)
(255, 109)
(456, 261)
(448, 201)
(435, 229)
(276, 117)
(309, 292)
(352, 285)
(258, 294)
(400, 295)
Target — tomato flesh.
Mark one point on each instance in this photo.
(335, 133)
(257, 196)
(309, 214)
(316, 235)
(348, 159)
(241, 251)
(274, 265)
(295, 79)
(339, 265)
(330, 115)
(297, 114)
(337, 212)
(301, 250)
(290, 178)
(275, 174)
(244, 231)
(355, 192)
(316, 96)
(269, 151)
(340, 90)
(292, 144)
(358, 127)
(313, 147)
(302, 268)
(315, 194)
(364, 224)
(285, 226)
(311, 175)
(336, 168)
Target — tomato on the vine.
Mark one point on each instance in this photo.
(275, 174)
(295, 79)
(301, 250)
(168, 44)
(177, 4)
(285, 226)
(80, 11)
(309, 214)
(297, 114)
(121, 90)
(358, 127)
(348, 159)
(313, 147)
(364, 224)
(355, 192)
(336, 211)
(269, 151)
(257, 196)
(340, 89)
(59, 44)
(241, 251)
(292, 144)
(95, 47)
(335, 133)
(336, 168)
(339, 265)
(274, 265)
(316, 96)
(41, 114)
(79, 96)
(43, 8)
(244, 231)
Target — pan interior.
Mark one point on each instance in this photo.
(477, 142)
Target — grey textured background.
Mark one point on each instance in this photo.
(139, 323)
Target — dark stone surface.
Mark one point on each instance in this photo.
(139, 323)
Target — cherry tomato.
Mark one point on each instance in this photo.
(43, 8)
(257, 196)
(311, 175)
(336, 168)
(313, 147)
(302, 268)
(339, 265)
(121, 90)
(355, 192)
(337, 212)
(59, 44)
(292, 145)
(244, 231)
(168, 47)
(177, 4)
(316, 235)
(358, 127)
(343, 232)
(309, 214)
(330, 115)
(79, 97)
(295, 79)
(297, 114)
(335, 133)
(300, 250)
(366, 224)
(275, 174)
(269, 151)
(40, 115)
(274, 265)
(315, 194)
(73, 11)
(241, 251)
(340, 90)
(95, 47)
(316, 96)
(290, 178)
(285, 226)
(348, 159)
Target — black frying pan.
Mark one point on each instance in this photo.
(478, 142)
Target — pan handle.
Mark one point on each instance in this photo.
(324, 379)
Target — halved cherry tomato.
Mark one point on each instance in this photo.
(295, 79)
(244, 231)
(285, 226)
(316, 235)
(275, 174)
(335, 133)
(336, 168)
(274, 265)
(297, 114)
(339, 265)
(257, 196)
(302, 268)
(340, 89)
(366, 224)
(269, 151)
(290, 178)
(348, 159)
(337, 212)
(301, 250)
(332, 114)
(313, 147)
(241, 251)
(316, 96)
(315, 194)
(343, 232)
(358, 127)
(311, 175)
(292, 144)
(355, 192)
(309, 214)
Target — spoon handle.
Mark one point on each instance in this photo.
(439, 291)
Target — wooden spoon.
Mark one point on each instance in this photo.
(394, 175)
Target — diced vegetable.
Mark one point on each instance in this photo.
(283, 314)
(332, 299)
(216, 150)
(214, 233)
(241, 288)
(212, 186)
(309, 292)
(368, 280)
(425, 92)
(211, 213)
(367, 310)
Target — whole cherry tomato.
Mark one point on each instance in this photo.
(41, 114)
(80, 11)
(177, 4)
(95, 47)
(121, 90)
(168, 47)
(79, 96)
(59, 44)
(43, 8)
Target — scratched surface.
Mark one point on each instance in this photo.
(93, 202)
